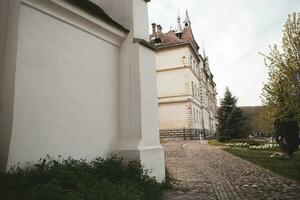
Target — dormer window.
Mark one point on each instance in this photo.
(157, 41)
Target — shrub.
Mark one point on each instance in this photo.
(69, 179)
(287, 135)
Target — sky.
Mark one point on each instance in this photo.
(233, 32)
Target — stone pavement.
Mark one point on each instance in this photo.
(203, 171)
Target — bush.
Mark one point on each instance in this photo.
(287, 135)
(69, 179)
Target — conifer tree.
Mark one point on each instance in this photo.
(231, 120)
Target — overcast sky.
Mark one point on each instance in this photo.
(234, 32)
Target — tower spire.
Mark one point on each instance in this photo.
(178, 26)
(187, 21)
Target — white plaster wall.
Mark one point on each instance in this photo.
(66, 93)
(173, 115)
(148, 92)
(151, 154)
(9, 16)
(139, 135)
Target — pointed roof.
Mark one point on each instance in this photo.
(187, 21)
(188, 36)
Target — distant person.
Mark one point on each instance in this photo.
(201, 136)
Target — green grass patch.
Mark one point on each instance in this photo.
(216, 143)
(248, 141)
(284, 166)
(69, 179)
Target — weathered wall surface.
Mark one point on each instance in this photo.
(171, 57)
(178, 89)
(172, 82)
(174, 115)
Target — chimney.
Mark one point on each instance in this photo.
(159, 28)
(153, 28)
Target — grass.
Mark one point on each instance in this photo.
(248, 141)
(284, 166)
(216, 143)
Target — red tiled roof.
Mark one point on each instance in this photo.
(187, 36)
(160, 39)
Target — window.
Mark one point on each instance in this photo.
(193, 64)
(184, 60)
(192, 88)
(195, 91)
(194, 117)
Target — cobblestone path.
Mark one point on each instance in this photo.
(203, 171)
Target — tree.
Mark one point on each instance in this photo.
(252, 114)
(281, 94)
(230, 119)
(265, 120)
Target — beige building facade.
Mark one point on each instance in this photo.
(186, 89)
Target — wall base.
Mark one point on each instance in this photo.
(152, 158)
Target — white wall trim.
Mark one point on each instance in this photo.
(71, 15)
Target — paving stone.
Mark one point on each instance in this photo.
(206, 172)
